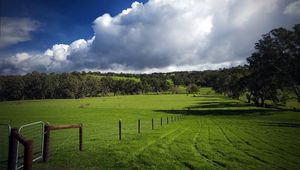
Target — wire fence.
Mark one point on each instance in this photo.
(63, 143)
(66, 141)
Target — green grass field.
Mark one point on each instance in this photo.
(217, 133)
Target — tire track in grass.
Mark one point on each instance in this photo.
(169, 137)
(259, 149)
(169, 145)
(273, 146)
(221, 153)
(132, 156)
(282, 151)
(225, 153)
(166, 144)
(210, 143)
(245, 141)
(195, 148)
(260, 124)
(247, 132)
(176, 142)
(155, 141)
(237, 148)
(215, 163)
(249, 146)
(282, 133)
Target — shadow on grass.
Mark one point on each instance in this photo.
(219, 105)
(224, 108)
(281, 124)
(219, 112)
(214, 96)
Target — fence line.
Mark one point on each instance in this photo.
(16, 136)
(172, 119)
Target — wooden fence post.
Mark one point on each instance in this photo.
(161, 120)
(152, 124)
(120, 129)
(139, 126)
(80, 137)
(167, 120)
(28, 155)
(46, 142)
(12, 155)
(14, 138)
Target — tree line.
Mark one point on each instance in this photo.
(37, 85)
(271, 71)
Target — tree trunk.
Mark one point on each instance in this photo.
(297, 92)
(256, 101)
(248, 96)
(262, 104)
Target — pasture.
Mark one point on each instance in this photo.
(216, 133)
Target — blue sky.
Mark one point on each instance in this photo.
(60, 21)
(135, 36)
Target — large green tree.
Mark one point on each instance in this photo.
(275, 64)
(192, 89)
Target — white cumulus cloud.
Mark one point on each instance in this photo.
(164, 35)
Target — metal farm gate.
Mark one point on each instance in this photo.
(20, 147)
(4, 143)
(35, 132)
